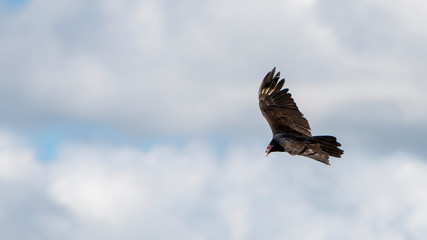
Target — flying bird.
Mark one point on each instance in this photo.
(291, 131)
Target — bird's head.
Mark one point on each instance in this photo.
(267, 150)
(273, 146)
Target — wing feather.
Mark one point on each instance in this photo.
(279, 108)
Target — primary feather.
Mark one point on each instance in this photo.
(278, 107)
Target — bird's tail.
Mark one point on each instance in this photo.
(330, 145)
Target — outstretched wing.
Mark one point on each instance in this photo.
(278, 107)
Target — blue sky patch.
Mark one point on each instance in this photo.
(13, 4)
(46, 142)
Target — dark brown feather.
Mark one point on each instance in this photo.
(278, 107)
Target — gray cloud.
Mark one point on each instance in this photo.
(162, 74)
(364, 27)
(93, 191)
(146, 68)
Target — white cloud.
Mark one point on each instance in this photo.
(97, 194)
(17, 162)
(409, 14)
(162, 68)
(192, 193)
(109, 186)
(129, 65)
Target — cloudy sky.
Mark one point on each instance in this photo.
(139, 119)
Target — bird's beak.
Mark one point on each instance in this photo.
(267, 150)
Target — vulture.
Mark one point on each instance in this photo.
(291, 131)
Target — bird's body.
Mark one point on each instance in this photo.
(291, 131)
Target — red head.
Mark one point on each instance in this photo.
(267, 150)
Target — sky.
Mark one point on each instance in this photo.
(139, 119)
